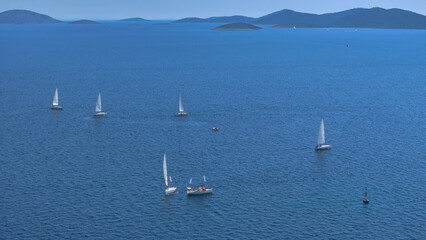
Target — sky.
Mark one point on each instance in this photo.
(176, 9)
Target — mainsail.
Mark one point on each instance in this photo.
(321, 133)
(55, 98)
(165, 169)
(180, 104)
(98, 107)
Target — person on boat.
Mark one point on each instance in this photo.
(204, 189)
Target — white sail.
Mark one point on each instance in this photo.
(55, 98)
(180, 104)
(165, 169)
(98, 107)
(321, 133)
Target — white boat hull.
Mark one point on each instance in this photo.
(56, 107)
(198, 191)
(322, 147)
(171, 190)
(181, 114)
(100, 114)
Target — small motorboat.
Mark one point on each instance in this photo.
(215, 129)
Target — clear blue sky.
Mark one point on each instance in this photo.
(175, 9)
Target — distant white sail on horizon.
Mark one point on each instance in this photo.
(180, 104)
(98, 107)
(55, 98)
(321, 133)
(165, 170)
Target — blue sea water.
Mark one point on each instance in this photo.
(68, 175)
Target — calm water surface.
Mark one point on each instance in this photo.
(68, 175)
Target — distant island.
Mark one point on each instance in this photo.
(237, 27)
(135, 19)
(84, 21)
(353, 18)
(25, 17)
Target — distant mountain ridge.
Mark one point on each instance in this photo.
(352, 18)
(25, 17)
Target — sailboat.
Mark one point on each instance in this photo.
(55, 103)
(181, 112)
(199, 189)
(365, 200)
(98, 108)
(169, 189)
(321, 144)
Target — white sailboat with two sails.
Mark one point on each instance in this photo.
(169, 189)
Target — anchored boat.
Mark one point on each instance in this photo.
(321, 143)
(169, 189)
(98, 107)
(55, 103)
(365, 200)
(199, 189)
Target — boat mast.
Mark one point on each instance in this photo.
(180, 104)
(165, 169)
(202, 167)
(321, 133)
(98, 107)
(55, 98)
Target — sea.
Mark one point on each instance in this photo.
(68, 175)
